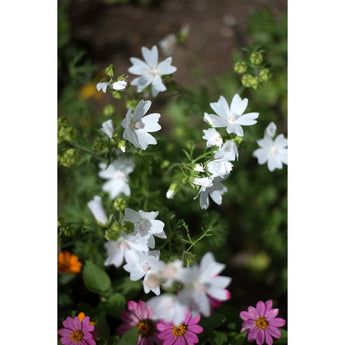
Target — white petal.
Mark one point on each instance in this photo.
(126, 121)
(280, 141)
(217, 121)
(235, 128)
(96, 207)
(247, 119)
(271, 129)
(165, 67)
(150, 56)
(145, 139)
(131, 216)
(217, 293)
(119, 85)
(131, 135)
(238, 106)
(108, 129)
(261, 155)
(221, 281)
(142, 82)
(148, 215)
(141, 109)
(139, 66)
(204, 200)
(157, 85)
(221, 108)
(151, 122)
(102, 86)
(114, 187)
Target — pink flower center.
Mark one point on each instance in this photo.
(138, 125)
(179, 331)
(261, 323)
(274, 150)
(146, 327)
(77, 335)
(233, 118)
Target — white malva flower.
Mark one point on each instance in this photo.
(171, 272)
(119, 85)
(145, 225)
(198, 167)
(168, 307)
(228, 151)
(116, 250)
(117, 175)
(202, 282)
(96, 208)
(170, 193)
(145, 265)
(108, 129)
(213, 137)
(150, 71)
(219, 168)
(271, 130)
(231, 117)
(168, 44)
(209, 188)
(274, 152)
(137, 125)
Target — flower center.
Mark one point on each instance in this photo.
(138, 125)
(179, 331)
(152, 72)
(261, 322)
(233, 118)
(274, 150)
(146, 327)
(77, 336)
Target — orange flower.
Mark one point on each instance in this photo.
(68, 263)
(81, 316)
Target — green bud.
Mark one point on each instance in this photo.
(100, 145)
(131, 103)
(237, 140)
(122, 145)
(247, 80)
(65, 131)
(67, 230)
(113, 233)
(120, 204)
(165, 164)
(256, 58)
(128, 227)
(68, 158)
(259, 262)
(109, 71)
(256, 83)
(264, 75)
(108, 110)
(183, 34)
(240, 67)
(116, 94)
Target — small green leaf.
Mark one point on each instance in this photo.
(95, 279)
(109, 71)
(115, 304)
(283, 339)
(130, 338)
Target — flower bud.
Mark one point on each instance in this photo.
(264, 75)
(256, 58)
(108, 110)
(109, 71)
(114, 232)
(120, 204)
(68, 158)
(247, 80)
(128, 227)
(172, 191)
(240, 67)
(122, 145)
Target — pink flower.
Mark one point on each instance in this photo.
(184, 334)
(140, 315)
(76, 332)
(215, 303)
(261, 323)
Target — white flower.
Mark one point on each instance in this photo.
(228, 151)
(171, 272)
(116, 250)
(231, 117)
(96, 208)
(137, 125)
(274, 152)
(168, 44)
(209, 188)
(107, 128)
(117, 175)
(150, 71)
(203, 281)
(119, 85)
(213, 137)
(168, 307)
(145, 265)
(145, 225)
(170, 194)
(198, 167)
(219, 168)
(271, 130)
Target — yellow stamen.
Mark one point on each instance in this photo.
(146, 327)
(77, 336)
(261, 322)
(179, 331)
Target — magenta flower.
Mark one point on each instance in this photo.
(184, 334)
(76, 332)
(139, 315)
(261, 323)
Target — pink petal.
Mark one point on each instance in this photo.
(260, 337)
(142, 311)
(180, 341)
(68, 323)
(260, 307)
(268, 339)
(277, 322)
(254, 312)
(64, 332)
(167, 333)
(195, 328)
(248, 324)
(269, 304)
(132, 306)
(162, 326)
(244, 315)
(253, 334)
(271, 314)
(169, 340)
(194, 320)
(66, 341)
(191, 338)
(91, 342)
(273, 331)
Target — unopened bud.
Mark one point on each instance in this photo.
(120, 204)
(122, 145)
(240, 67)
(128, 227)
(108, 110)
(68, 158)
(264, 74)
(256, 58)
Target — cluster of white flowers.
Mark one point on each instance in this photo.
(232, 118)
(274, 152)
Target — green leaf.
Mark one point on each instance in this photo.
(212, 322)
(95, 279)
(283, 339)
(219, 338)
(130, 338)
(109, 71)
(115, 304)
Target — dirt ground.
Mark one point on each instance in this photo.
(113, 33)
